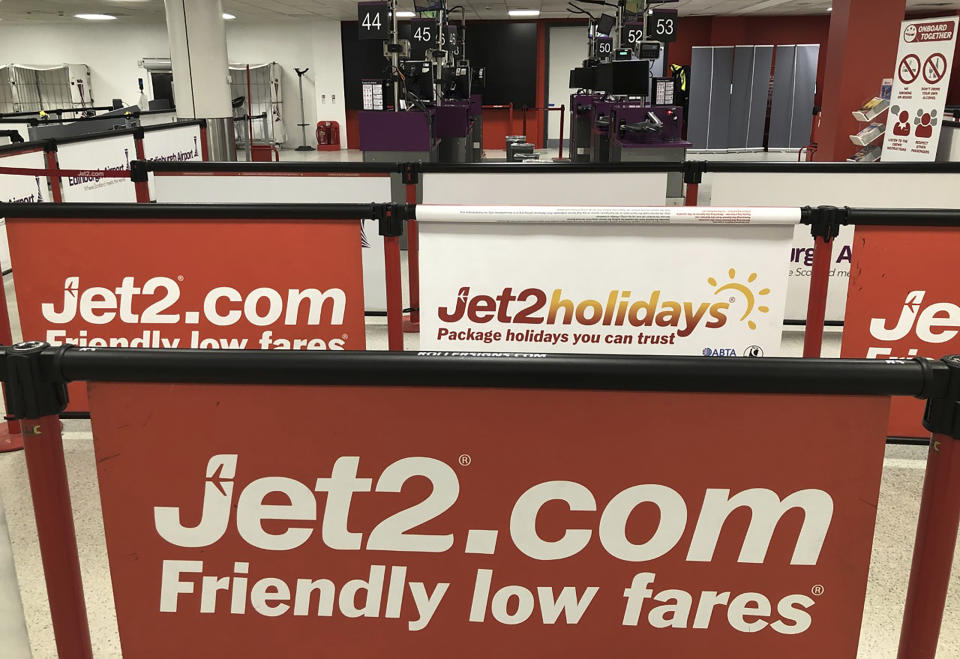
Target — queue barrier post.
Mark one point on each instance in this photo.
(824, 224)
(563, 113)
(410, 176)
(140, 184)
(391, 218)
(204, 147)
(937, 526)
(55, 183)
(140, 176)
(37, 396)
(693, 176)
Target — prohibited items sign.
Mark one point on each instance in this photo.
(909, 69)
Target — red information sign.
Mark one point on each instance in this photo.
(524, 522)
(898, 308)
(211, 284)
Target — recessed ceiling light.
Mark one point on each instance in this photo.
(524, 12)
(228, 17)
(406, 14)
(95, 17)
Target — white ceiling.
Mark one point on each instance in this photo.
(134, 11)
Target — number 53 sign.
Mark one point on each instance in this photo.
(662, 26)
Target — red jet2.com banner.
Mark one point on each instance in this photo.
(903, 302)
(275, 284)
(501, 523)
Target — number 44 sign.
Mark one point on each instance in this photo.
(486, 522)
(373, 20)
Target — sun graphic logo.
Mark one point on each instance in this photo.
(750, 296)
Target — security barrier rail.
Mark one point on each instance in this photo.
(36, 376)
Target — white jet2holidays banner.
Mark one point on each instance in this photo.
(619, 280)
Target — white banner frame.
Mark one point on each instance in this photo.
(546, 187)
(114, 152)
(290, 188)
(480, 261)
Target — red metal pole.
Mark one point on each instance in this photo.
(54, 179)
(693, 192)
(563, 113)
(933, 550)
(391, 256)
(412, 322)
(43, 449)
(510, 115)
(249, 115)
(142, 188)
(524, 110)
(204, 147)
(817, 302)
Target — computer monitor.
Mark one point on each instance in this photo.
(606, 24)
(427, 5)
(624, 78)
(583, 78)
(418, 79)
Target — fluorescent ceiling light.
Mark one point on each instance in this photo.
(764, 4)
(95, 17)
(228, 17)
(524, 12)
(406, 14)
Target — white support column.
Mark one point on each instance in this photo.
(327, 74)
(198, 52)
(13, 628)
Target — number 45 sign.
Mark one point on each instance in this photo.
(373, 19)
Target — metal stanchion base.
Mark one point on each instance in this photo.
(304, 148)
(409, 326)
(10, 441)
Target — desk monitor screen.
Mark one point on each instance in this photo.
(606, 24)
(418, 79)
(583, 78)
(624, 77)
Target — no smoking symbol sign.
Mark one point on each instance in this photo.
(934, 68)
(909, 69)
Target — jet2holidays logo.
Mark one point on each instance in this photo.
(623, 319)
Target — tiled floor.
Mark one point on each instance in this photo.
(893, 540)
